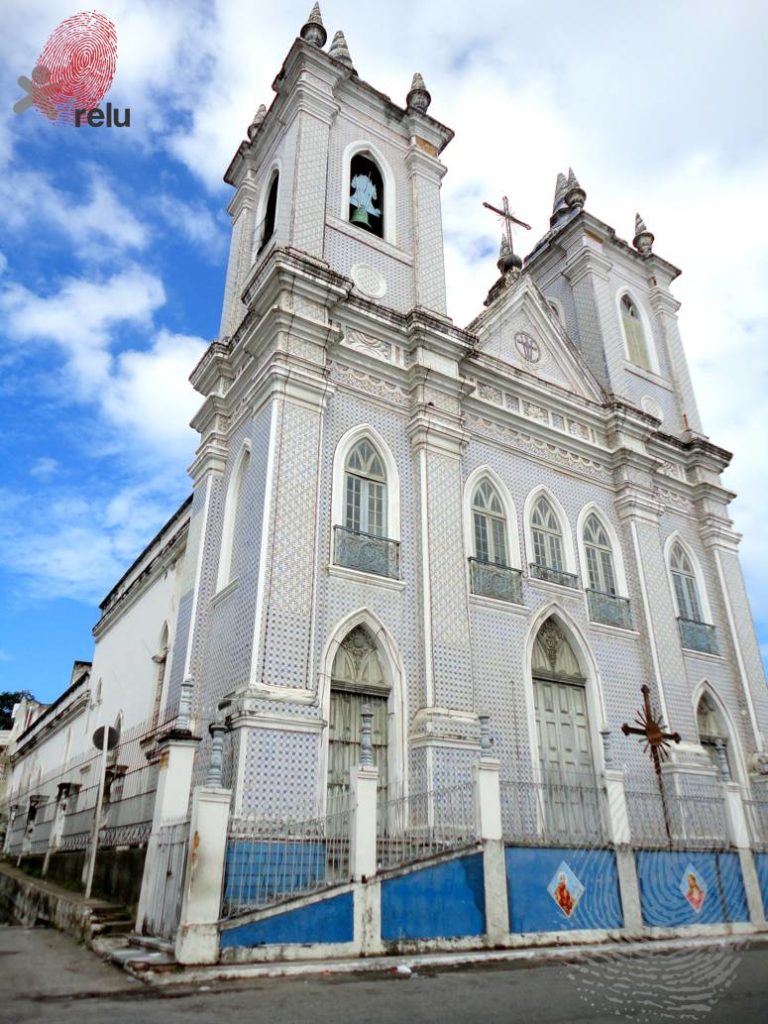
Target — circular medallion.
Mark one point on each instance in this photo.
(528, 347)
(368, 281)
(652, 407)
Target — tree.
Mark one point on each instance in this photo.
(7, 701)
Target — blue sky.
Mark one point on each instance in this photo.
(113, 241)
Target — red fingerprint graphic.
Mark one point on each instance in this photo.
(79, 57)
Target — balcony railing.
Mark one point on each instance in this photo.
(545, 572)
(698, 636)
(609, 609)
(363, 551)
(501, 582)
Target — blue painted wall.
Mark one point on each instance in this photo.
(531, 907)
(259, 871)
(660, 874)
(330, 920)
(761, 863)
(445, 901)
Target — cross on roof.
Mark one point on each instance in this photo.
(509, 219)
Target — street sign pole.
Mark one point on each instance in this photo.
(97, 815)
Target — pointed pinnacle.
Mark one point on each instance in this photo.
(560, 190)
(340, 51)
(256, 123)
(313, 31)
(643, 240)
(418, 97)
(639, 224)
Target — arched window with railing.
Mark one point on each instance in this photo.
(695, 632)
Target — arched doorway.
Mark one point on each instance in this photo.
(570, 799)
(357, 679)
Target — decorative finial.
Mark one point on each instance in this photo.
(508, 260)
(575, 196)
(643, 240)
(418, 97)
(340, 51)
(313, 31)
(258, 119)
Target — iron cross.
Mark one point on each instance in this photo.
(656, 740)
(509, 219)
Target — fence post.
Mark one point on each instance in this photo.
(363, 782)
(487, 798)
(740, 836)
(621, 836)
(174, 782)
(197, 940)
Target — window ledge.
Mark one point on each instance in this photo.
(370, 239)
(554, 588)
(220, 595)
(357, 576)
(481, 601)
(702, 654)
(617, 631)
(650, 375)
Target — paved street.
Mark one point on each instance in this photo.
(47, 977)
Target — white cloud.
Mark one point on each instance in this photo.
(44, 468)
(196, 223)
(96, 224)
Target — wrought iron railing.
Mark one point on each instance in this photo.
(423, 825)
(694, 819)
(271, 861)
(698, 636)
(499, 581)
(363, 551)
(550, 575)
(756, 810)
(609, 609)
(559, 808)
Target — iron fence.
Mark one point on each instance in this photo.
(422, 825)
(559, 808)
(270, 861)
(170, 859)
(501, 582)
(692, 819)
(609, 609)
(756, 810)
(551, 575)
(363, 551)
(698, 636)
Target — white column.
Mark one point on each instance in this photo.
(618, 815)
(487, 794)
(363, 780)
(738, 828)
(197, 940)
(174, 782)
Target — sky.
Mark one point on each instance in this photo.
(113, 242)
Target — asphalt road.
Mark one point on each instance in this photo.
(47, 977)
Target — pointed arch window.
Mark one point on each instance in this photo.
(599, 555)
(366, 198)
(637, 344)
(547, 536)
(270, 211)
(231, 543)
(686, 587)
(713, 736)
(695, 633)
(489, 525)
(365, 491)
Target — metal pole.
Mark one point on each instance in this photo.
(97, 817)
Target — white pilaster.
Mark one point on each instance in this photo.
(362, 840)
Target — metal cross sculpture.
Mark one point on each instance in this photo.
(651, 728)
(509, 219)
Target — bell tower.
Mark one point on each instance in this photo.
(338, 172)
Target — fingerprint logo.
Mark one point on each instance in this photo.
(74, 70)
(648, 982)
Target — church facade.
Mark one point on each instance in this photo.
(482, 537)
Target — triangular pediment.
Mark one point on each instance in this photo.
(521, 330)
